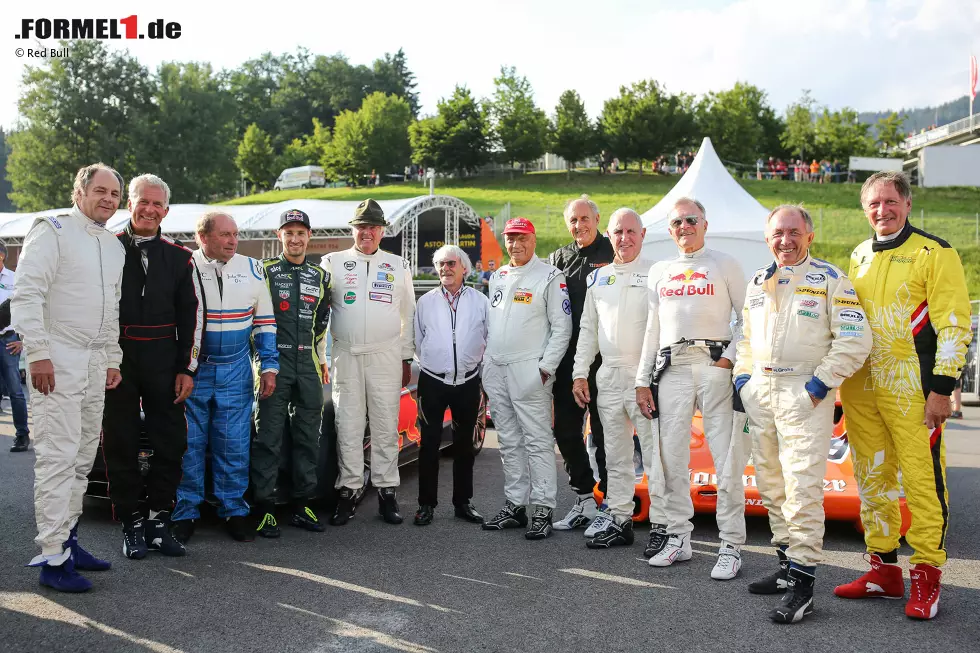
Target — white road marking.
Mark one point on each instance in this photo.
(511, 573)
(353, 631)
(624, 580)
(37, 606)
(350, 587)
(474, 580)
(178, 571)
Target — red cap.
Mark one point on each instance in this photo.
(518, 226)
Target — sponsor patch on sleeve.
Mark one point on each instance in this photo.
(851, 315)
(380, 297)
(854, 330)
(840, 301)
(567, 307)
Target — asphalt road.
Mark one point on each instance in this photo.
(452, 587)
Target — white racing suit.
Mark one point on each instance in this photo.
(803, 333)
(692, 302)
(613, 323)
(372, 325)
(66, 308)
(529, 328)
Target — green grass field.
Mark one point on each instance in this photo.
(950, 213)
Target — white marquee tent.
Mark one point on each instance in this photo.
(736, 220)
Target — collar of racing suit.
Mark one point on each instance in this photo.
(695, 254)
(90, 225)
(787, 270)
(897, 241)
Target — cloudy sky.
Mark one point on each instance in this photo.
(866, 54)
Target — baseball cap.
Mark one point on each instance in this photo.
(518, 226)
(294, 215)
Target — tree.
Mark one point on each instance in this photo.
(5, 204)
(572, 135)
(256, 158)
(645, 121)
(456, 139)
(93, 105)
(738, 121)
(799, 135)
(839, 135)
(375, 138)
(889, 131)
(392, 76)
(520, 129)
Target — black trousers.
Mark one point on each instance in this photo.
(463, 401)
(570, 425)
(148, 376)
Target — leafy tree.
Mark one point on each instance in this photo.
(5, 204)
(456, 139)
(889, 130)
(373, 138)
(425, 137)
(520, 128)
(572, 135)
(301, 152)
(392, 76)
(738, 121)
(253, 86)
(645, 121)
(256, 158)
(346, 155)
(840, 135)
(799, 135)
(93, 105)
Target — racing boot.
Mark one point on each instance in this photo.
(540, 526)
(510, 516)
(677, 549)
(924, 593)
(883, 581)
(134, 537)
(81, 558)
(267, 526)
(183, 530)
(345, 507)
(304, 517)
(60, 574)
(601, 522)
(775, 583)
(657, 542)
(239, 528)
(583, 511)
(388, 505)
(618, 533)
(21, 443)
(159, 538)
(728, 563)
(797, 602)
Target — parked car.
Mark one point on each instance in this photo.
(302, 177)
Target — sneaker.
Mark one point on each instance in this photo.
(884, 581)
(677, 549)
(599, 524)
(268, 526)
(183, 530)
(21, 444)
(239, 529)
(510, 516)
(304, 517)
(345, 507)
(924, 593)
(63, 577)
(388, 505)
(797, 602)
(82, 559)
(540, 526)
(134, 538)
(728, 563)
(619, 532)
(582, 512)
(658, 540)
(775, 583)
(159, 538)
(423, 516)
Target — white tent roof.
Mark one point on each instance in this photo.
(736, 220)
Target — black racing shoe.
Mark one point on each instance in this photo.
(21, 444)
(134, 537)
(797, 602)
(388, 505)
(776, 582)
(616, 534)
(658, 540)
(183, 530)
(304, 517)
(424, 515)
(345, 507)
(159, 538)
(510, 516)
(239, 529)
(469, 513)
(268, 526)
(540, 526)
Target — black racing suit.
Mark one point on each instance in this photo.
(161, 324)
(301, 298)
(577, 263)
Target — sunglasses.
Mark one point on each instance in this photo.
(446, 264)
(691, 220)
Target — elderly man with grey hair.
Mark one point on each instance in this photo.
(161, 323)
(10, 348)
(450, 338)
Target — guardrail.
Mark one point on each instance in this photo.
(968, 124)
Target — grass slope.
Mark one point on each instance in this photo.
(950, 213)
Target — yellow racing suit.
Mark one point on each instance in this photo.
(914, 293)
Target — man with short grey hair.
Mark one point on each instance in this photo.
(10, 348)
(450, 338)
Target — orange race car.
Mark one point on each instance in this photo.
(841, 499)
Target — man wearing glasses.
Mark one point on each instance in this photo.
(689, 351)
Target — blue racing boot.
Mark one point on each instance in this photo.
(81, 558)
(60, 574)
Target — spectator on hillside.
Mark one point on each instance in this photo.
(474, 277)
(770, 168)
(485, 276)
(781, 170)
(814, 171)
(758, 168)
(837, 170)
(798, 170)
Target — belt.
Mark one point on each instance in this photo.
(448, 376)
(706, 343)
(147, 331)
(215, 359)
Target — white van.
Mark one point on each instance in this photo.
(302, 177)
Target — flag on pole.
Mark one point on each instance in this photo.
(973, 77)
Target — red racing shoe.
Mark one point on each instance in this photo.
(924, 594)
(883, 581)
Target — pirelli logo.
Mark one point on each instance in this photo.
(840, 301)
(815, 292)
